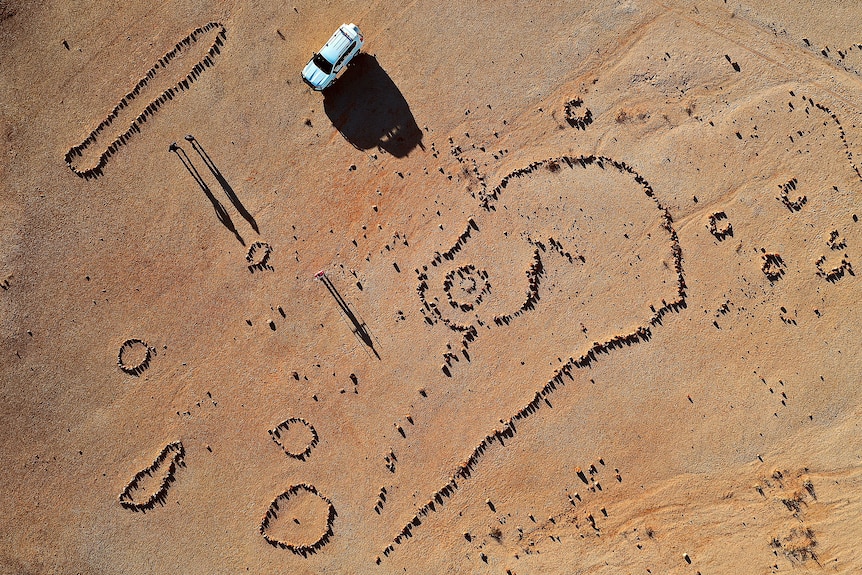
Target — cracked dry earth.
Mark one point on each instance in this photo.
(533, 288)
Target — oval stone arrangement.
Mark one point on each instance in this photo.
(258, 257)
(301, 499)
(92, 166)
(296, 437)
(134, 356)
(173, 451)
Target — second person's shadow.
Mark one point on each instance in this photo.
(369, 110)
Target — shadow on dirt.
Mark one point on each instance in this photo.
(369, 110)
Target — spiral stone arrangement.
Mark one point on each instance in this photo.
(566, 372)
(469, 280)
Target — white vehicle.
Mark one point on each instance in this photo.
(335, 55)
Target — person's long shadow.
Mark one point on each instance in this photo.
(221, 213)
(369, 110)
(360, 330)
(221, 180)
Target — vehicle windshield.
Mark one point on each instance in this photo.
(322, 63)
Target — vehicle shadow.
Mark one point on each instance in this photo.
(369, 110)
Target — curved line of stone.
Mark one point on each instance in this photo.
(842, 134)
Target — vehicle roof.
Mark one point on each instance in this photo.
(338, 43)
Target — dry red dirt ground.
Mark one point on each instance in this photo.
(589, 301)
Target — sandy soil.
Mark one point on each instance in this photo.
(589, 303)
